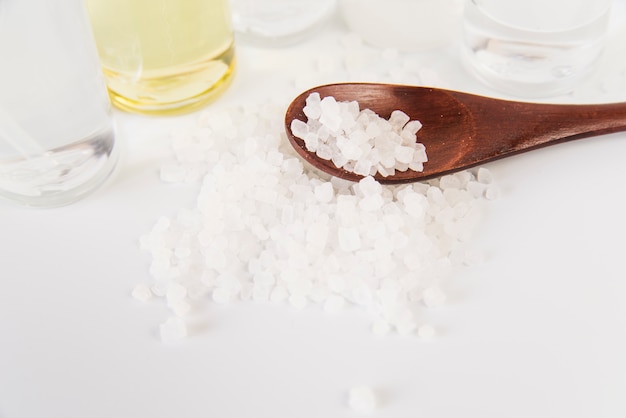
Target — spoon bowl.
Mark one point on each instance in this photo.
(462, 130)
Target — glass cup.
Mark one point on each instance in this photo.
(407, 25)
(164, 56)
(57, 139)
(278, 22)
(534, 48)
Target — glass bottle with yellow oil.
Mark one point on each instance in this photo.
(164, 56)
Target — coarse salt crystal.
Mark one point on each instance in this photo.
(412, 127)
(142, 292)
(362, 167)
(371, 203)
(433, 297)
(324, 192)
(299, 128)
(398, 119)
(266, 228)
(179, 307)
(484, 176)
(176, 291)
(349, 239)
(330, 113)
(492, 192)
(350, 136)
(404, 154)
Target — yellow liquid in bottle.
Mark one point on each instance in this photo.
(163, 56)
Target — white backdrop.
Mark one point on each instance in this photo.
(537, 330)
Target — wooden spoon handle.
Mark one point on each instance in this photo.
(523, 126)
(503, 128)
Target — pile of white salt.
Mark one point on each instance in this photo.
(265, 228)
(360, 141)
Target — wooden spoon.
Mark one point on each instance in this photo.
(463, 130)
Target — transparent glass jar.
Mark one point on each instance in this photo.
(278, 22)
(407, 25)
(57, 139)
(538, 48)
(165, 56)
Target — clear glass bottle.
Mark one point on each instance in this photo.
(535, 48)
(278, 22)
(57, 139)
(164, 56)
(407, 25)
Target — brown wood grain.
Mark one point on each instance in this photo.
(462, 130)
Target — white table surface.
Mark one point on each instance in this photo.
(537, 330)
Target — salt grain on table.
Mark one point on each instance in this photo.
(357, 140)
(265, 228)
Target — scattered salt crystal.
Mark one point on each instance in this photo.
(266, 228)
(313, 109)
(398, 119)
(484, 176)
(371, 203)
(330, 116)
(324, 192)
(412, 127)
(404, 154)
(435, 197)
(175, 291)
(324, 152)
(142, 292)
(449, 182)
(362, 399)
(416, 166)
(173, 330)
(492, 192)
(317, 236)
(369, 186)
(340, 160)
(385, 171)
(476, 189)
(420, 154)
(349, 239)
(347, 136)
(179, 307)
(363, 167)
(299, 128)
(292, 167)
(414, 205)
(274, 158)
